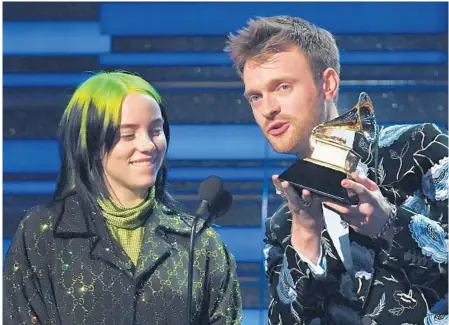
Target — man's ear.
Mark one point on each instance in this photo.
(330, 84)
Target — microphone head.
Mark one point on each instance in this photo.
(222, 204)
(210, 189)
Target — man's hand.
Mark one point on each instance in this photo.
(307, 219)
(371, 212)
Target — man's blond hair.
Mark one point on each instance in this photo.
(265, 36)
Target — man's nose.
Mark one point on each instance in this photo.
(271, 107)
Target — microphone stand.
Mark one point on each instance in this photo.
(190, 268)
(218, 208)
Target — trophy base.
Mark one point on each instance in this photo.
(318, 179)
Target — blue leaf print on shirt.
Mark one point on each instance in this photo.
(286, 287)
(435, 181)
(390, 134)
(430, 237)
(416, 204)
(362, 258)
(437, 315)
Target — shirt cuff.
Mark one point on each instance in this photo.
(317, 269)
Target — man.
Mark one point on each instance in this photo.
(393, 268)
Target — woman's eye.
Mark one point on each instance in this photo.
(127, 136)
(157, 132)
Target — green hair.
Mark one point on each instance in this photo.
(105, 93)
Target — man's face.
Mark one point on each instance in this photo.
(285, 100)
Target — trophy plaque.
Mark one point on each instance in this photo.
(332, 160)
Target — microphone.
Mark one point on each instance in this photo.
(219, 207)
(210, 190)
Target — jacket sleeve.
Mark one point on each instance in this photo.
(225, 303)
(421, 236)
(24, 301)
(295, 291)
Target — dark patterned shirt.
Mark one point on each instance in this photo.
(403, 284)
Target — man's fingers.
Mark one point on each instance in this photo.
(347, 213)
(340, 209)
(294, 198)
(355, 187)
(277, 184)
(306, 195)
(365, 181)
(288, 189)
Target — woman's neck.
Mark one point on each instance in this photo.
(128, 198)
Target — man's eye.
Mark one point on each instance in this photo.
(254, 98)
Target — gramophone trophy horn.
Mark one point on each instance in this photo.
(332, 160)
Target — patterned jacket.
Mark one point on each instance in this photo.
(404, 284)
(62, 268)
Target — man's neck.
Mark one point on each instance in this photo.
(302, 154)
(332, 113)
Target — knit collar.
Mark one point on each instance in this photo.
(68, 219)
(127, 218)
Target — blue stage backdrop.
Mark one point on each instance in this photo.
(397, 52)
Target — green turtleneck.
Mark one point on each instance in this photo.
(127, 224)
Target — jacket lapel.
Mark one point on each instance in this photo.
(363, 148)
(156, 247)
(74, 222)
(105, 249)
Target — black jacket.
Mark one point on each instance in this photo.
(65, 268)
(404, 284)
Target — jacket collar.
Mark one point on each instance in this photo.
(363, 148)
(175, 223)
(71, 220)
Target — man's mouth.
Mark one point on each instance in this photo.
(278, 128)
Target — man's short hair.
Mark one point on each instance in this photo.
(265, 36)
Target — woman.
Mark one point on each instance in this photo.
(111, 248)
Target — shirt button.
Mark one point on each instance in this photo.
(366, 320)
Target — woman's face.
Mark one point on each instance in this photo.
(132, 164)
